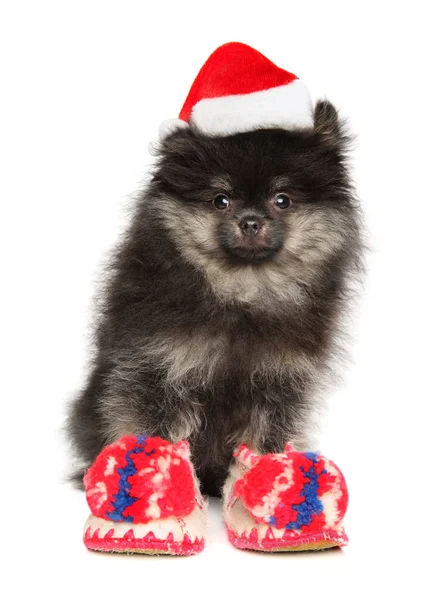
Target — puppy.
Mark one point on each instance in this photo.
(221, 310)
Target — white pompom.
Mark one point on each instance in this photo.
(154, 148)
(170, 126)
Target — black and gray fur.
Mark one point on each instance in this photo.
(208, 333)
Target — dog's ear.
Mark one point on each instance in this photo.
(179, 141)
(328, 125)
(183, 146)
(176, 141)
(183, 161)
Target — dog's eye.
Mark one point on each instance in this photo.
(221, 202)
(282, 201)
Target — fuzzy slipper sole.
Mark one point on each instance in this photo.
(246, 534)
(272, 543)
(174, 535)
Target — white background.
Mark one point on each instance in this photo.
(84, 87)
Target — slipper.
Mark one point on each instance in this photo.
(144, 498)
(291, 501)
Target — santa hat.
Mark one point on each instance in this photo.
(238, 90)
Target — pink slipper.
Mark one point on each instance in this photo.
(144, 498)
(284, 502)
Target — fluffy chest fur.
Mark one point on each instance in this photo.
(199, 356)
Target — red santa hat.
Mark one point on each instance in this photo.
(238, 90)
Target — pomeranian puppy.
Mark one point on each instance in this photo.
(221, 309)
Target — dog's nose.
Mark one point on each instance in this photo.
(251, 225)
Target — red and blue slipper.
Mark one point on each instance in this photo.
(291, 501)
(144, 498)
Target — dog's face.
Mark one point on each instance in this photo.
(249, 214)
(270, 200)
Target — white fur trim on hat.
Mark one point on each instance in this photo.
(286, 107)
